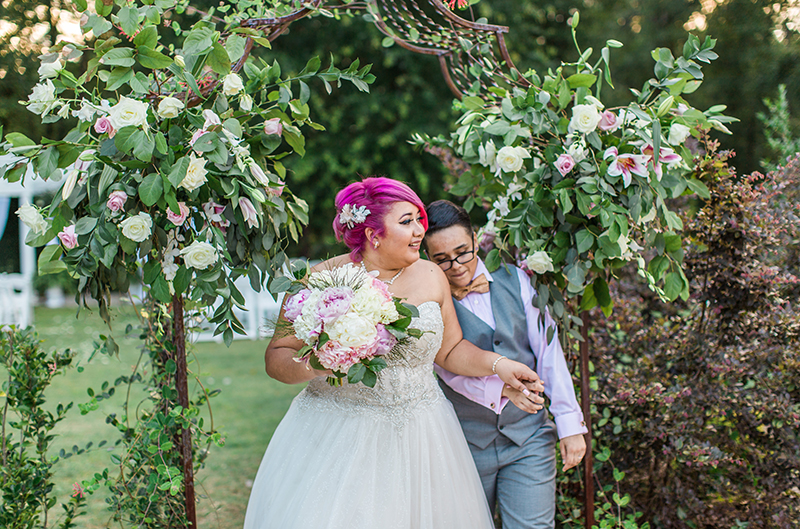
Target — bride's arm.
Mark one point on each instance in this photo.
(462, 357)
(279, 359)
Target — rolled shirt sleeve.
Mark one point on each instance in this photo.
(551, 366)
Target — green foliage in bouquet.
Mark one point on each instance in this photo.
(575, 190)
(176, 163)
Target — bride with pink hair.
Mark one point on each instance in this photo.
(392, 456)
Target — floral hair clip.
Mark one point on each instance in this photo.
(352, 215)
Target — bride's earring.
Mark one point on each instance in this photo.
(375, 244)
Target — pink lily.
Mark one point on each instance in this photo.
(625, 164)
(665, 155)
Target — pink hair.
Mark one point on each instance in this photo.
(377, 194)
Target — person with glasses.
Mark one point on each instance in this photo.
(513, 446)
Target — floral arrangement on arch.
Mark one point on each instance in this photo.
(176, 162)
(575, 189)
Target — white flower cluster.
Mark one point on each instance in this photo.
(352, 215)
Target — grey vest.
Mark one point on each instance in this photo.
(510, 338)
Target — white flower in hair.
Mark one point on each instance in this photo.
(352, 215)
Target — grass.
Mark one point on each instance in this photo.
(247, 411)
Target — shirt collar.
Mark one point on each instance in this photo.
(481, 269)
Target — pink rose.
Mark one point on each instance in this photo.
(68, 237)
(273, 126)
(608, 121)
(103, 125)
(178, 218)
(116, 201)
(564, 164)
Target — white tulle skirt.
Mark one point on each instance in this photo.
(335, 466)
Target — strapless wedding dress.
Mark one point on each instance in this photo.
(388, 457)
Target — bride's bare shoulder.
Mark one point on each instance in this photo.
(429, 277)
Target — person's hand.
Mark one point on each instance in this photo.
(573, 448)
(531, 403)
(519, 376)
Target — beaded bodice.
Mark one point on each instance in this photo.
(404, 385)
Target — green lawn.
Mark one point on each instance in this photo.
(247, 412)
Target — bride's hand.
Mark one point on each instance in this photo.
(516, 374)
(530, 404)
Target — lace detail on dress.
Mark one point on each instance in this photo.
(403, 386)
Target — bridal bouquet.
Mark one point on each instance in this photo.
(348, 321)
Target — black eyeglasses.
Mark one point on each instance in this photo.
(462, 258)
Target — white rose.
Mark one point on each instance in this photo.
(539, 262)
(199, 255)
(678, 133)
(32, 218)
(179, 61)
(352, 330)
(50, 69)
(195, 173)
(137, 228)
(368, 304)
(170, 107)
(259, 174)
(584, 118)
(232, 84)
(509, 159)
(128, 113)
(43, 98)
(211, 118)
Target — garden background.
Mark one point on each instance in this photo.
(368, 134)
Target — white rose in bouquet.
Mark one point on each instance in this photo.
(137, 228)
(199, 255)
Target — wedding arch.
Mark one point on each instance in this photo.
(182, 179)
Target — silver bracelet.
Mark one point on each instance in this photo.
(494, 365)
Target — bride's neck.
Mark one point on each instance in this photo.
(373, 263)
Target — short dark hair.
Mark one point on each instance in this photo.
(442, 214)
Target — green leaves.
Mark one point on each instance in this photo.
(149, 58)
(151, 189)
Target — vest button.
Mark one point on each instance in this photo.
(502, 426)
(497, 342)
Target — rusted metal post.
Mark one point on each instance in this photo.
(588, 463)
(181, 383)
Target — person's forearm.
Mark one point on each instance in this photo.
(281, 365)
(469, 360)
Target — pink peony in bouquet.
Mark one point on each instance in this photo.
(348, 321)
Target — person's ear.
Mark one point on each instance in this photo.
(369, 233)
